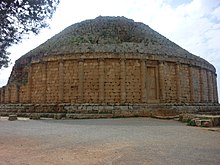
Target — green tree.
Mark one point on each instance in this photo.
(19, 18)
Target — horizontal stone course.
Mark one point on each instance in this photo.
(108, 111)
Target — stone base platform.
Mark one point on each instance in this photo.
(82, 111)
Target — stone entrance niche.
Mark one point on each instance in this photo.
(110, 64)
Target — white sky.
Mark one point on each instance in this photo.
(192, 24)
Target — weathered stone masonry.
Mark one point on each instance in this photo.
(110, 66)
(113, 80)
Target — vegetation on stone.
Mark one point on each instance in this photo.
(113, 31)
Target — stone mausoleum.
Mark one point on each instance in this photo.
(106, 67)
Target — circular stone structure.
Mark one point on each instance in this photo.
(112, 66)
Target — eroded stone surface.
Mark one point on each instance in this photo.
(12, 117)
(110, 65)
(201, 120)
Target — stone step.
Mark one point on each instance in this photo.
(87, 116)
(90, 112)
(209, 113)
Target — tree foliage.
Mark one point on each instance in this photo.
(19, 18)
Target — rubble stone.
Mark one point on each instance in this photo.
(12, 117)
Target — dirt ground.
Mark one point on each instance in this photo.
(127, 141)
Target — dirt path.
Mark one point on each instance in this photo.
(27, 151)
(106, 141)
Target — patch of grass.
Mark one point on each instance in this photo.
(191, 122)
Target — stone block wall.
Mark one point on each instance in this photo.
(132, 81)
(210, 87)
(194, 72)
(184, 83)
(70, 81)
(91, 81)
(14, 91)
(37, 84)
(110, 79)
(80, 111)
(51, 82)
(170, 83)
(24, 96)
(7, 94)
(204, 86)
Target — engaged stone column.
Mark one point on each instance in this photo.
(1, 99)
(161, 81)
(81, 79)
(3, 95)
(208, 85)
(17, 93)
(101, 80)
(0, 95)
(215, 87)
(201, 85)
(8, 88)
(44, 80)
(178, 89)
(191, 84)
(211, 86)
(123, 90)
(61, 76)
(143, 82)
(29, 84)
